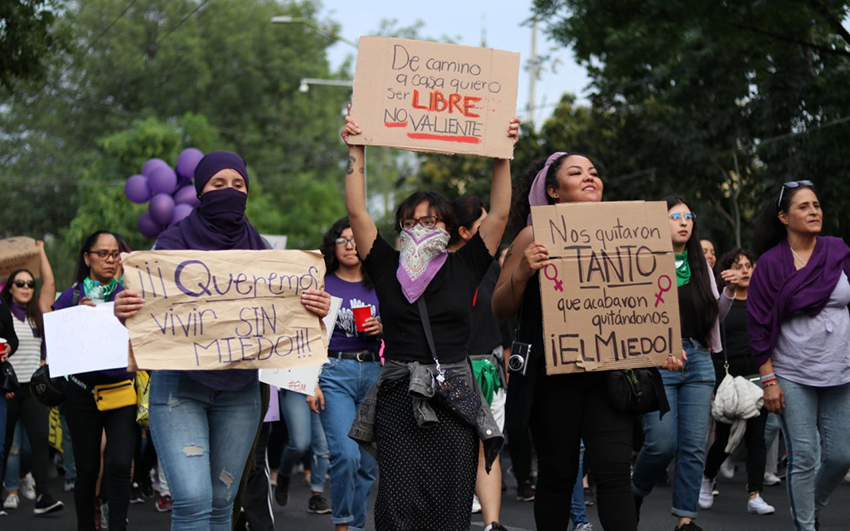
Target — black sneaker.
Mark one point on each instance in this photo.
(496, 526)
(318, 504)
(525, 491)
(590, 496)
(638, 503)
(690, 526)
(281, 490)
(136, 495)
(46, 504)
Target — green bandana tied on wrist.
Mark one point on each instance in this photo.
(683, 269)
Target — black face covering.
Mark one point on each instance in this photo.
(223, 211)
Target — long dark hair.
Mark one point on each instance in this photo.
(704, 301)
(467, 211)
(442, 207)
(768, 231)
(328, 249)
(34, 316)
(84, 270)
(521, 208)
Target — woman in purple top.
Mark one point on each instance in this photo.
(203, 422)
(799, 330)
(98, 263)
(353, 366)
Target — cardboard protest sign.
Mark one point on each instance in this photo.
(429, 96)
(19, 253)
(82, 339)
(225, 309)
(609, 292)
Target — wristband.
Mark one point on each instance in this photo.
(767, 377)
(765, 385)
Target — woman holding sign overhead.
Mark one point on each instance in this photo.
(681, 433)
(425, 412)
(97, 266)
(204, 422)
(561, 410)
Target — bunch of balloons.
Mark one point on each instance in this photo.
(170, 191)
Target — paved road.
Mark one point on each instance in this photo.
(728, 514)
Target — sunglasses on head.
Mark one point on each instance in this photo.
(792, 185)
(690, 216)
(28, 283)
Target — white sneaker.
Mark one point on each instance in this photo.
(706, 498)
(727, 469)
(758, 506)
(771, 479)
(476, 505)
(12, 501)
(584, 527)
(27, 487)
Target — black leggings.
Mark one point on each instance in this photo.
(87, 424)
(36, 420)
(568, 409)
(756, 451)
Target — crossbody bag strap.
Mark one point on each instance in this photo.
(426, 324)
(79, 382)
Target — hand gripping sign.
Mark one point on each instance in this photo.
(225, 309)
(608, 294)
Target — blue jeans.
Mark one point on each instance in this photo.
(203, 438)
(578, 510)
(19, 458)
(305, 431)
(809, 410)
(344, 384)
(681, 433)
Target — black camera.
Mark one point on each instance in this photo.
(518, 362)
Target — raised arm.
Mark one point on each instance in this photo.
(525, 257)
(362, 225)
(493, 227)
(48, 282)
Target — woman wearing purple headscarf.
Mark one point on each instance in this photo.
(203, 422)
(425, 413)
(536, 400)
(799, 329)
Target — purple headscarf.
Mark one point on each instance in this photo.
(218, 223)
(537, 196)
(778, 290)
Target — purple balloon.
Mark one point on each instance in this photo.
(148, 227)
(161, 208)
(187, 161)
(187, 196)
(151, 165)
(137, 190)
(180, 212)
(162, 180)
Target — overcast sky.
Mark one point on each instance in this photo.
(463, 20)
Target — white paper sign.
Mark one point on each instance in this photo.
(84, 339)
(301, 379)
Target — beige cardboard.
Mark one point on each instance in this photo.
(210, 310)
(19, 252)
(435, 97)
(609, 293)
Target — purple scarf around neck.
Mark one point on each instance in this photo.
(18, 310)
(778, 290)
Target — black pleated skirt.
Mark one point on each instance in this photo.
(427, 475)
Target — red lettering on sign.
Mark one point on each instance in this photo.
(437, 102)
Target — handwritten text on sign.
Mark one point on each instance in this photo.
(225, 309)
(609, 292)
(429, 96)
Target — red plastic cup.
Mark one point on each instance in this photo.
(360, 316)
(3, 344)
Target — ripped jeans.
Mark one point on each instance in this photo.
(202, 437)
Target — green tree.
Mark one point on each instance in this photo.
(28, 37)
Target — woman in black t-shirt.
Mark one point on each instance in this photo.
(427, 445)
(736, 353)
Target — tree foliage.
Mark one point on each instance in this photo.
(28, 37)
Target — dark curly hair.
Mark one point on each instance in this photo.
(328, 248)
(467, 211)
(729, 259)
(442, 207)
(521, 208)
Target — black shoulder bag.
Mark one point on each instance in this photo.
(637, 391)
(451, 388)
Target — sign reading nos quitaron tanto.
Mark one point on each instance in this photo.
(428, 96)
(609, 292)
(225, 309)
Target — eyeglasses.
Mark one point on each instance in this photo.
(791, 185)
(346, 241)
(429, 222)
(690, 216)
(103, 254)
(28, 283)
